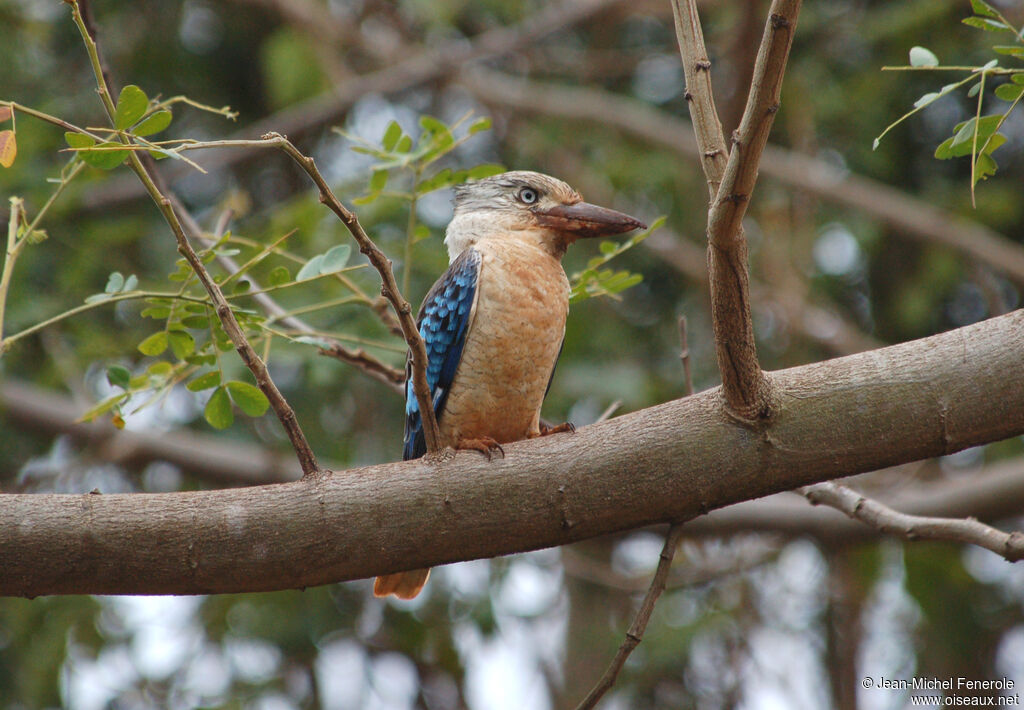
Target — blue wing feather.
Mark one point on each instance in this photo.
(443, 323)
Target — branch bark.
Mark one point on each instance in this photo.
(666, 463)
(914, 527)
(991, 494)
(744, 385)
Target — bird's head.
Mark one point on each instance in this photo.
(531, 207)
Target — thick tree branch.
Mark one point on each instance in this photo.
(670, 462)
(914, 527)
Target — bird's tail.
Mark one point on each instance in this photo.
(404, 585)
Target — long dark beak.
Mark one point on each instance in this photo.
(586, 220)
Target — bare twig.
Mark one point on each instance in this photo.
(281, 408)
(912, 527)
(636, 630)
(684, 356)
(392, 376)
(749, 140)
(699, 96)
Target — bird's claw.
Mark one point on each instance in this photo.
(486, 445)
(546, 430)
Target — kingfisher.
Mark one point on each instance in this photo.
(494, 323)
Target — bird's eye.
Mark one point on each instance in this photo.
(528, 196)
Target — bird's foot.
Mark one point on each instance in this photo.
(546, 430)
(485, 445)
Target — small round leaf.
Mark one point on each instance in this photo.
(131, 105)
(218, 410)
(249, 398)
(154, 344)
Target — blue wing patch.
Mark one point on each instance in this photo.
(443, 322)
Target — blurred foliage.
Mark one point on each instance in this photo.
(532, 630)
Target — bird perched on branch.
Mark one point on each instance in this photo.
(493, 324)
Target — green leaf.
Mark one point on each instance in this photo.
(131, 105)
(609, 248)
(204, 382)
(964, 132)
(196, 322)
(119, 376)
(1017, 78)
(241, 286)
(159, 369)
(104, 406)
(985, 166)
(379, 180)
(97, 297)
(78, 140)
(104, 159)
(156, 312)
(980, 7)
(1009, 92)
(926, 99)
(481, 124)
(182, 343)
(310, 269)
(1011, 50)
(335, 259)
(114, 282)
(218, 409)
(249, 398)
(983, 23)
(922, 57)
(130, 283)
(154, 123)
(420, 233)
(973, 91)
(391, 136)
(280, 276)
(154, 344)
(433, 126)
(404, 144)
(485, 170)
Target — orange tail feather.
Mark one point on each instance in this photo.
(404, 585)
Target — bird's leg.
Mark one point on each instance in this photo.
(545, 430)
(485, 445)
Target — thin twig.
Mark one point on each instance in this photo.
(636, 630)
(281, 408)
(912, 527)
(391, 376)
(684, 356)
(394, 377)
(389, 287)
